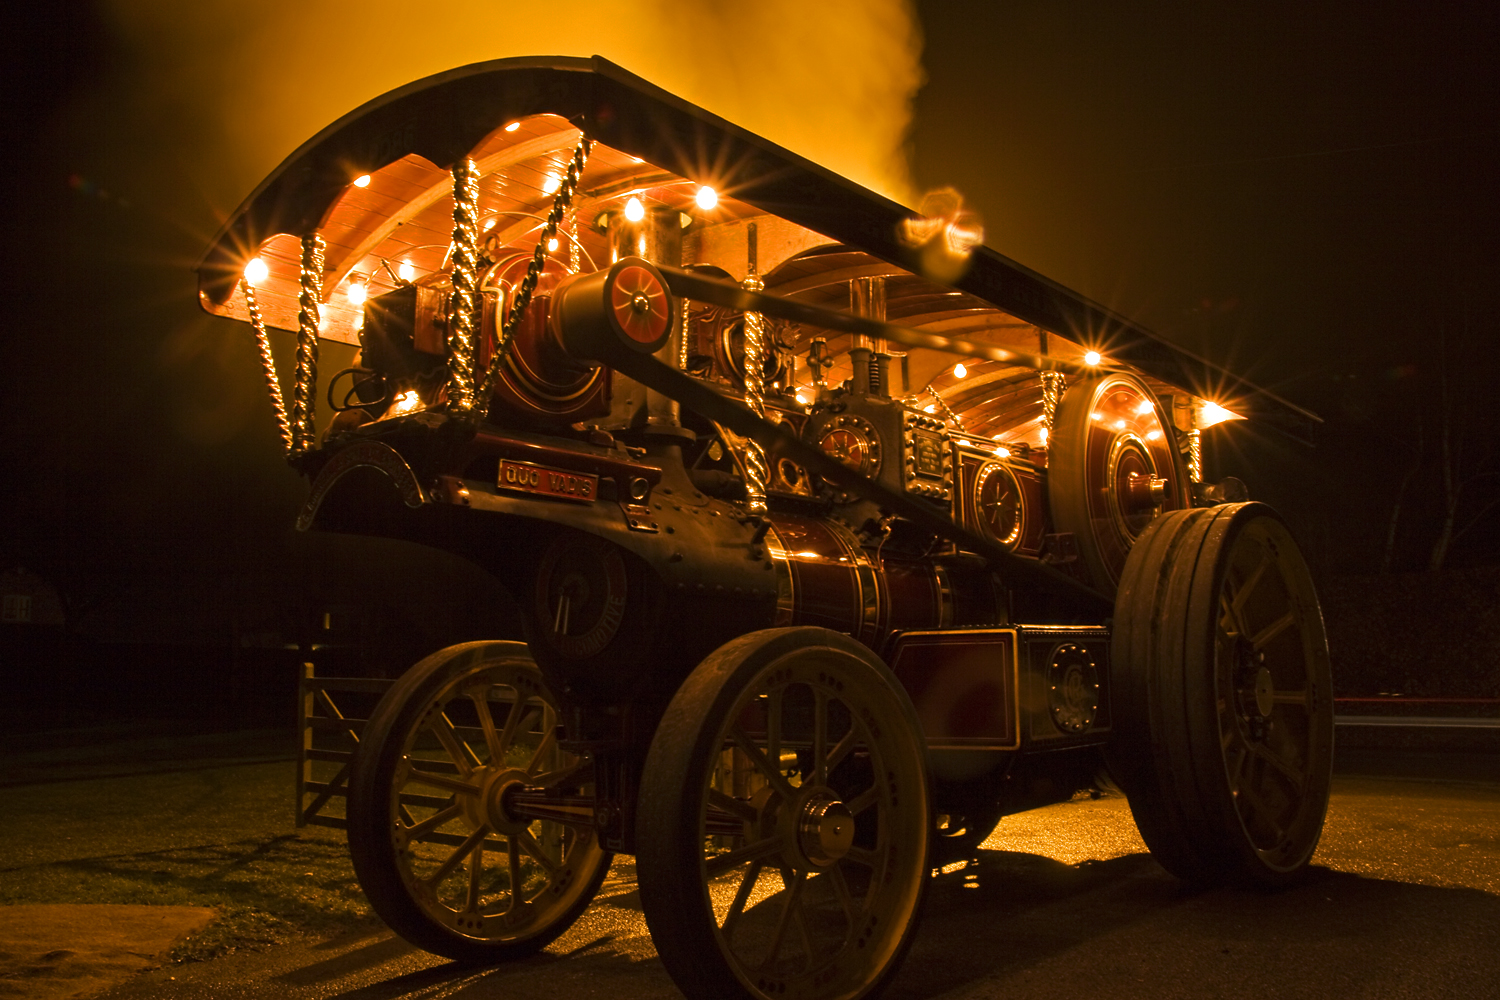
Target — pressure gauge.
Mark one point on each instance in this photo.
(852, 442)
(998, 504)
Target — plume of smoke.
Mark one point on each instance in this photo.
(833, 81)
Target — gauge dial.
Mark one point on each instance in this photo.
(851, 442)
(997, 500)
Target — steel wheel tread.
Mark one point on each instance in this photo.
(432, 847)
(721, 837)
(1224, 721)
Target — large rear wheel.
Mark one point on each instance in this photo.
(784, 821)
(438, 849)
(1223, 697)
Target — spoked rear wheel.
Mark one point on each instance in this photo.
(440, 853)
(784, 822)
(1224, 702)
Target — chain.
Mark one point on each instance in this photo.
(303, 388)
(1053, 384)
(560, 203)
(464, 300)
(948, 412)
(757, 471)
(268, 366)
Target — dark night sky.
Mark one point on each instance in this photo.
(1304, 194)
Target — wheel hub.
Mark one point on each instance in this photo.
(488, 808)
(1265, 693)
(825, 828)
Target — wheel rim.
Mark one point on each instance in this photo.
(1271, 677)
(468, 863)
(812, 824)
(1113, 468)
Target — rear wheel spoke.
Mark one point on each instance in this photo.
(730, 860)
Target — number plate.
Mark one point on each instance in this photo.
(560, 483)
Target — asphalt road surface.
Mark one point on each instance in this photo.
(1063, 902)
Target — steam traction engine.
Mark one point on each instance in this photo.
(836, 536)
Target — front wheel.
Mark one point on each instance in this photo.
(1223, 696)
(784, 821)
(439, 852)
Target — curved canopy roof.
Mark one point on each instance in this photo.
(520, 120)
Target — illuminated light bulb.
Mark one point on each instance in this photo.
(357, 292)
(634, 210)
(1153, 435)
(1092, 358)
(1212, 413)
(802, 398)
(930, 408)
(1044, 435)
(965, 442)
(1146, 407)
(405, 271)
(551, 183)
(256, 271)
(490, 223)
(512, 126)
(323, 324)
(959, 371)
(552, 245)
(1119, 425)
(706, 198)
(362, 181)
(1002, 451)
(406, 403)
(1096, 416)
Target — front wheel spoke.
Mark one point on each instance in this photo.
(773, 729)
(738, 808)
(841, 749)
(1236, 752)
(863, 800)
(470, 844)
(1229, 618)
(1248, 586)
(1297, 698)
(841, 890)
(444, 781)
(437, 819)
(741, 897)
(730, 860)
(863, 856)
(820, 739)
(793, 896)
(1272, 630)
(1287, 770)
(1248, 793)
(771, 773)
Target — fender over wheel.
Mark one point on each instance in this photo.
(1223, 697)
(1112, 466)
(440, 856)
(784, 821)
